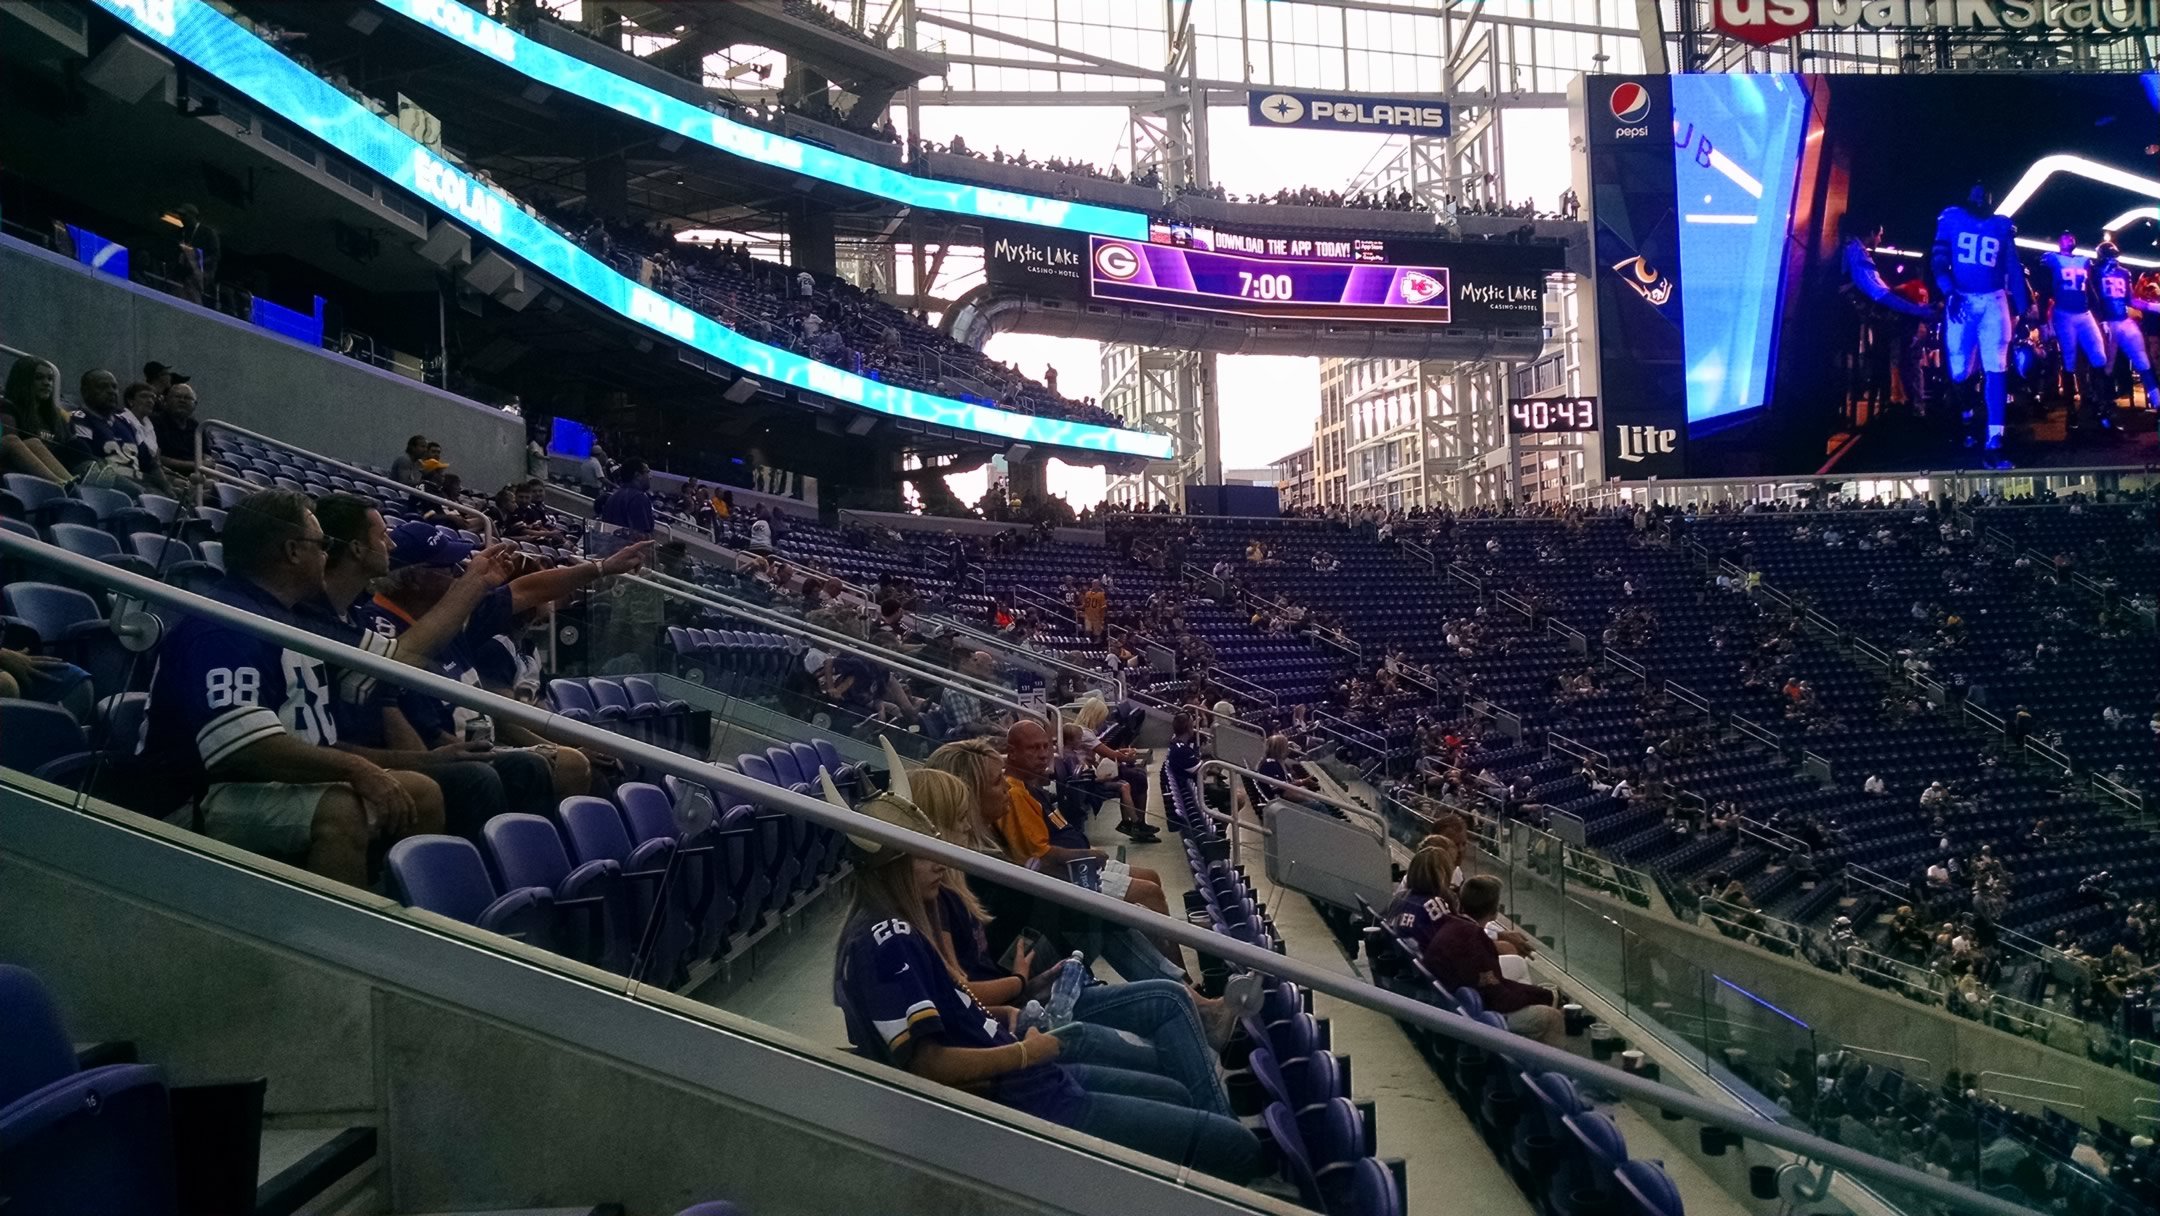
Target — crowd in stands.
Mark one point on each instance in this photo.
(822, 317)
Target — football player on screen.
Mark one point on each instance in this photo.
(2077, 333)
(1977, 269)
(2116, 300)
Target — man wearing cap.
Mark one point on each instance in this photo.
(422, 563)
(475, 787)
(161, 377)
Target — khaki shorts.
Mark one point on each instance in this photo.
(1533, 1021)
(263, 817)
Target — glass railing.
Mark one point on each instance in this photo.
(1579, 908)
(684, 865)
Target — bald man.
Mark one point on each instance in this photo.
(1037, 834)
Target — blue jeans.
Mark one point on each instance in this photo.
(1115, 1110)
(1132, 955)
(1159, 1011)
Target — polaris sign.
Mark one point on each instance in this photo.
(1348, 112)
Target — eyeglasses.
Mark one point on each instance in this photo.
(322, 542)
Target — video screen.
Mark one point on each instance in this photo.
(572, 439)
(1769, 302)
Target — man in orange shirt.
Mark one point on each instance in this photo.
(1037, 834)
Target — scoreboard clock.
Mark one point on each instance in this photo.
(1552, 416)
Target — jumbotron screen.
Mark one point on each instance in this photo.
(1338, 277)
(1866, 274)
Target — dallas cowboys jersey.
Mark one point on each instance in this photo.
(895, 992)
(1975, 253)
(218, 690)
(2068, 275)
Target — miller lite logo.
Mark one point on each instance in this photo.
(1636, 442)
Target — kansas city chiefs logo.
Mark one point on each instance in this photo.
(1420, 288)
(1762, 22)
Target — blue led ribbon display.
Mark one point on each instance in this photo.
(212, 41)
(602, 87)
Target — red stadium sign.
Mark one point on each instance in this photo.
(1762, 22)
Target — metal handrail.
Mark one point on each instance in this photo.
(1349, 808)
(682, 588)
(1350, 731)
(202, 440)
(668, 584)
(967, 860)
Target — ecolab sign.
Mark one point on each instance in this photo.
(1763, 22)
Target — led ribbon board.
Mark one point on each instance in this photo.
(200, 34)
(602, 87)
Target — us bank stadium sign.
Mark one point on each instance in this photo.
(1763, 22)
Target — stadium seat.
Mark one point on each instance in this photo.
(526, 851)
(34, 735)
(98, 1140)
(1648, 1189)
(46, 504)
(445, 875)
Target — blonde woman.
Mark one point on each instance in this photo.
(1092, 715)
(908, 1003)
(1182, 1032)
(1427, 895)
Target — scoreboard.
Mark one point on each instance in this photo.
(1347, 277)
(1313, 279)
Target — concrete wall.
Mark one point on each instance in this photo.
(497, 1075)
(79, 319)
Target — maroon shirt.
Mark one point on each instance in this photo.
(1459, 955)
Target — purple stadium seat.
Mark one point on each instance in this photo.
(444, 875)
(34, 734)
(45, 503)
(596, 918)
(39, 1050)
(596, 833)
(74, 1141)
(571, 699)
(1646, 1185)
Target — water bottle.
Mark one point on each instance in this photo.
(1034, 1017)
(1065, 990)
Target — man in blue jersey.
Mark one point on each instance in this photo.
(423, 564)
(1890, 327)
(2114, 300)
(1977, 270)
(2077, 333)
(248, 728)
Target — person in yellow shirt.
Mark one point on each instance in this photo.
(1094, 609)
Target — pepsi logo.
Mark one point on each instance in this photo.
(1420, 288)
(1117, 262)
(1630, 102)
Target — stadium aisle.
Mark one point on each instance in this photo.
(1417, 1114)
(1418, 1118)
